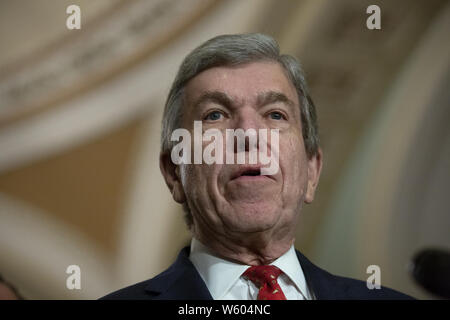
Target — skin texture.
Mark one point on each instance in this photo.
(245, 219)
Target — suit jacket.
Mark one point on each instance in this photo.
(181, 281)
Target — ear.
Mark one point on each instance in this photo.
(171, 174)
(314, 170)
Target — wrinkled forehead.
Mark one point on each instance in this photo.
(242, 84)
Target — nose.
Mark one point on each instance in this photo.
(249, 121)
(248, 118)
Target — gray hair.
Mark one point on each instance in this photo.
(232, 50)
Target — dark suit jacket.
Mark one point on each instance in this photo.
(181, 281)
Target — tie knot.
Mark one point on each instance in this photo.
(262, 274)
(265, 278)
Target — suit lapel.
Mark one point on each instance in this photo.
(180, 282)
(321, 283)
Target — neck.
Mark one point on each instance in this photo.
(259, 248)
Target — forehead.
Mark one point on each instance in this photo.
(242, 82)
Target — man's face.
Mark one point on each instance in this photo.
(228, 198)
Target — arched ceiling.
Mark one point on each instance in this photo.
(68, 63)
(27, 28)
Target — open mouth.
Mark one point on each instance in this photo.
(250, 173)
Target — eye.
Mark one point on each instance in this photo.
(275, 115)
(213, 116)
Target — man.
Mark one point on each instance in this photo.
(243, 221)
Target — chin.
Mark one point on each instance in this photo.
(254, 218)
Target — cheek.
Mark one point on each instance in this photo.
(294, 166)
(191, 177)
(198, 181)
(200, 187)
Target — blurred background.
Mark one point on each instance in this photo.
(80, 114)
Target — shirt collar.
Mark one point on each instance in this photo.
(289, 264)
(220, 275)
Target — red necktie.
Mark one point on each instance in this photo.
(265, 278)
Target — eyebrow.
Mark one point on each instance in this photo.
(262, 99)
(270, 97)
(216, 97)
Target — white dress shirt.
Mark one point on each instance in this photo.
(225, 282)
